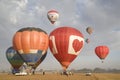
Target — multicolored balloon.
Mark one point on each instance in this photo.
(65, 44)
(14, 58)
(102, 51)
(31, 43)
(53, 16)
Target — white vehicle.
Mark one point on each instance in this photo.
(21, 74)
(88, 74)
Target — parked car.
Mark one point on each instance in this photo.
(88, 74)
(21, 74)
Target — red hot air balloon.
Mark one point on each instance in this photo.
(65, 44)
(31, 43)
(102, 52)
(53, 16)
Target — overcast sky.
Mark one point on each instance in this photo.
(102, 15)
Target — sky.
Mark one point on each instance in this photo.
(102, 15)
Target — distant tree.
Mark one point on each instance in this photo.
(85, 70)
(99, 70)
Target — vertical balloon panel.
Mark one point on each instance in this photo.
(40, 61)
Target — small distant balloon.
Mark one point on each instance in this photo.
(89, 30)
(87, 40)
(102, 52)
(53, 16)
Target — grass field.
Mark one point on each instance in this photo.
(77, 76)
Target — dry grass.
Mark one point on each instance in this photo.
(77, 76)
(109, 76)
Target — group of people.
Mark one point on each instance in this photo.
(67, 73)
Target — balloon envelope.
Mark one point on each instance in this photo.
(89, 30)
(87, 40)
(65, 44)
(14, 58)
(102, 51)
(31, 43)
(52, 16)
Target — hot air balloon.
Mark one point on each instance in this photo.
(31, 43)
(87, 40)
(89, 30)
(52, 16)
(14, 58)
(102, 52)
(65, 44)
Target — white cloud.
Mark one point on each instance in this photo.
(99, 13)
(13, 19)
(21, 3)
(40, 9)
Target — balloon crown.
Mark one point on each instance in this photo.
(31, 29)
